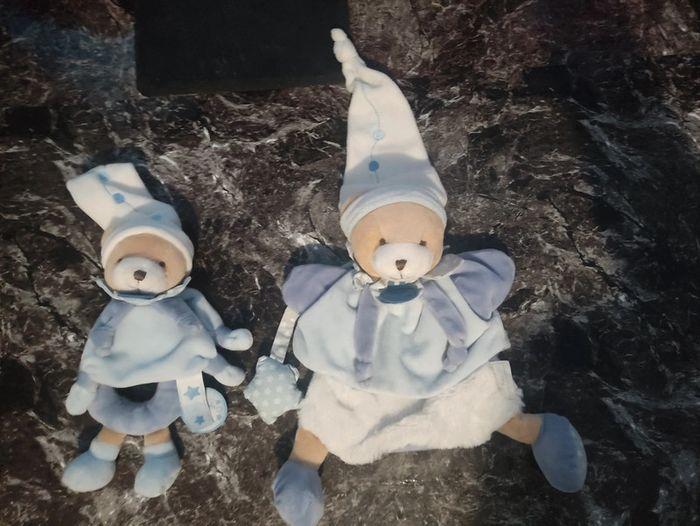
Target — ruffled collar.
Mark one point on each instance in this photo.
(446, 266)
(142, 299)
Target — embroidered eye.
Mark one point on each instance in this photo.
(382, 241)
(162, 264)
(120, 260)
(423, 243)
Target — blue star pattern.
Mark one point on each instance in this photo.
(207, 416)
(192, 392)
(273, 391)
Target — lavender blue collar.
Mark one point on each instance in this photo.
(142, 299)
(437, 302)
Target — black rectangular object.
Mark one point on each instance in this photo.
(205, 46)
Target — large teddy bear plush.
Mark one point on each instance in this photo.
(404, 344)
(142, 364)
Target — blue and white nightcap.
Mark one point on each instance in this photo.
(114, 196)
(386, 159)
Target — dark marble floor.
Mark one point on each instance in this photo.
(566, 130)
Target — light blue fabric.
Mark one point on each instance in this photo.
(560, 454)
(88, 473)
(143, 340)
(364, 333)
(446, 313)
(298, 495)
(307, 283)
(484, 278)
(140, 339)
(416, 349)
(157, 473)
(273, 391)
(136, 418)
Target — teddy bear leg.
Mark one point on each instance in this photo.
(523, 427)
(95, 468)
(308, 449)
(556, 445)
(298, 495)
(161, 466)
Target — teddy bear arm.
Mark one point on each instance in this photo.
(307, 283)
(203, 310)
(101, 336)
(484, 279)
(224, 372)
(81, 394)
(235, 340)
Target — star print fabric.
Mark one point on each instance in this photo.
(203, 409)
(274, 390)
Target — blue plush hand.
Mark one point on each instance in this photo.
(230, 376)
(234, 340)
(79, 399)
(273, 391)
(224, 372)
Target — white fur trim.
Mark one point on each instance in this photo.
(360, 426)
(141, 225)
(103, 450)
(387, 195)
(159, 449)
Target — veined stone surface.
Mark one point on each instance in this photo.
(565, 131)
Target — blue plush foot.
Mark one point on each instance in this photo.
(298, 495)
(93, 469)
(159, 471)
(560, 454)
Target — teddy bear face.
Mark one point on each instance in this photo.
(399, 242)
(144, 263)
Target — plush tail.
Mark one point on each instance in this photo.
(354, 67)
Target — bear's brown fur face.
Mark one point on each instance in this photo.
(145, 263)
(398, 242)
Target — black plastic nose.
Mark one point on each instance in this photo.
(400, 264)
(139, 275)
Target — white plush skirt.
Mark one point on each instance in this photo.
(359, 427)
(136, 418)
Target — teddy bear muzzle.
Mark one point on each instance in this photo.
(402, 262)
(139, 274)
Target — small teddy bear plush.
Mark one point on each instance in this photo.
(404, 345)
(142, 364)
